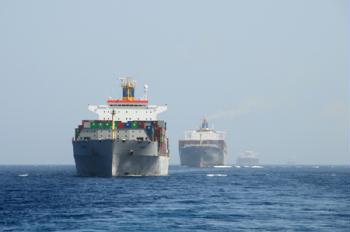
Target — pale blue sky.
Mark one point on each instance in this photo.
(273, 74)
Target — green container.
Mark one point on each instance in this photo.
(96, 125)
(134, 125)
(77, 132)
(107, 125)
(93, 125)
(101, 125)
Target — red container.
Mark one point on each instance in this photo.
(142, 125)
(120, 125)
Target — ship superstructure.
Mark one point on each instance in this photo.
(204, 147)
(126, 139)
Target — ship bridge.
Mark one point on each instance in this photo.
(128, 108)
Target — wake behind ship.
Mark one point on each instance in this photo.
(126, 139)
(203, 147)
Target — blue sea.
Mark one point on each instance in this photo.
(270, 198)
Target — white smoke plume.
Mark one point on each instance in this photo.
(246, 107)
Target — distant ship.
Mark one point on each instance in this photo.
(247, 158)
(204, 147)
(126, 139)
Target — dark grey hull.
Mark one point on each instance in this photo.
(117, 158)
(202, 156)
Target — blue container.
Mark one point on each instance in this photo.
(127, 125)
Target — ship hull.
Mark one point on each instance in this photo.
(108, 158)
(202, 156)
(242, 161)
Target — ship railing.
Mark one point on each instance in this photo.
(201, 145)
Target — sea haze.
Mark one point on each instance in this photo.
(271, 198)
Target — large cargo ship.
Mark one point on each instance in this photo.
(204, 147)
(126, 139)
(247, 158)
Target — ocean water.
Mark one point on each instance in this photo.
(272, 198)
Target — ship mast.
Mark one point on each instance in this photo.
(113, 124)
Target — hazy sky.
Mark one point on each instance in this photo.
(273, 74)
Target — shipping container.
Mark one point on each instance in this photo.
(134, 125)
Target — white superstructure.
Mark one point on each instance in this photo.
(204, 133)
(126, 113)
(128, 108)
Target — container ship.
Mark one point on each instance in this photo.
(126, 139)
(204, 147)
(247, 158)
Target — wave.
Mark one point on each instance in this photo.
(23, 175)
(210, 175)
(222, 166)
(254, 166)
